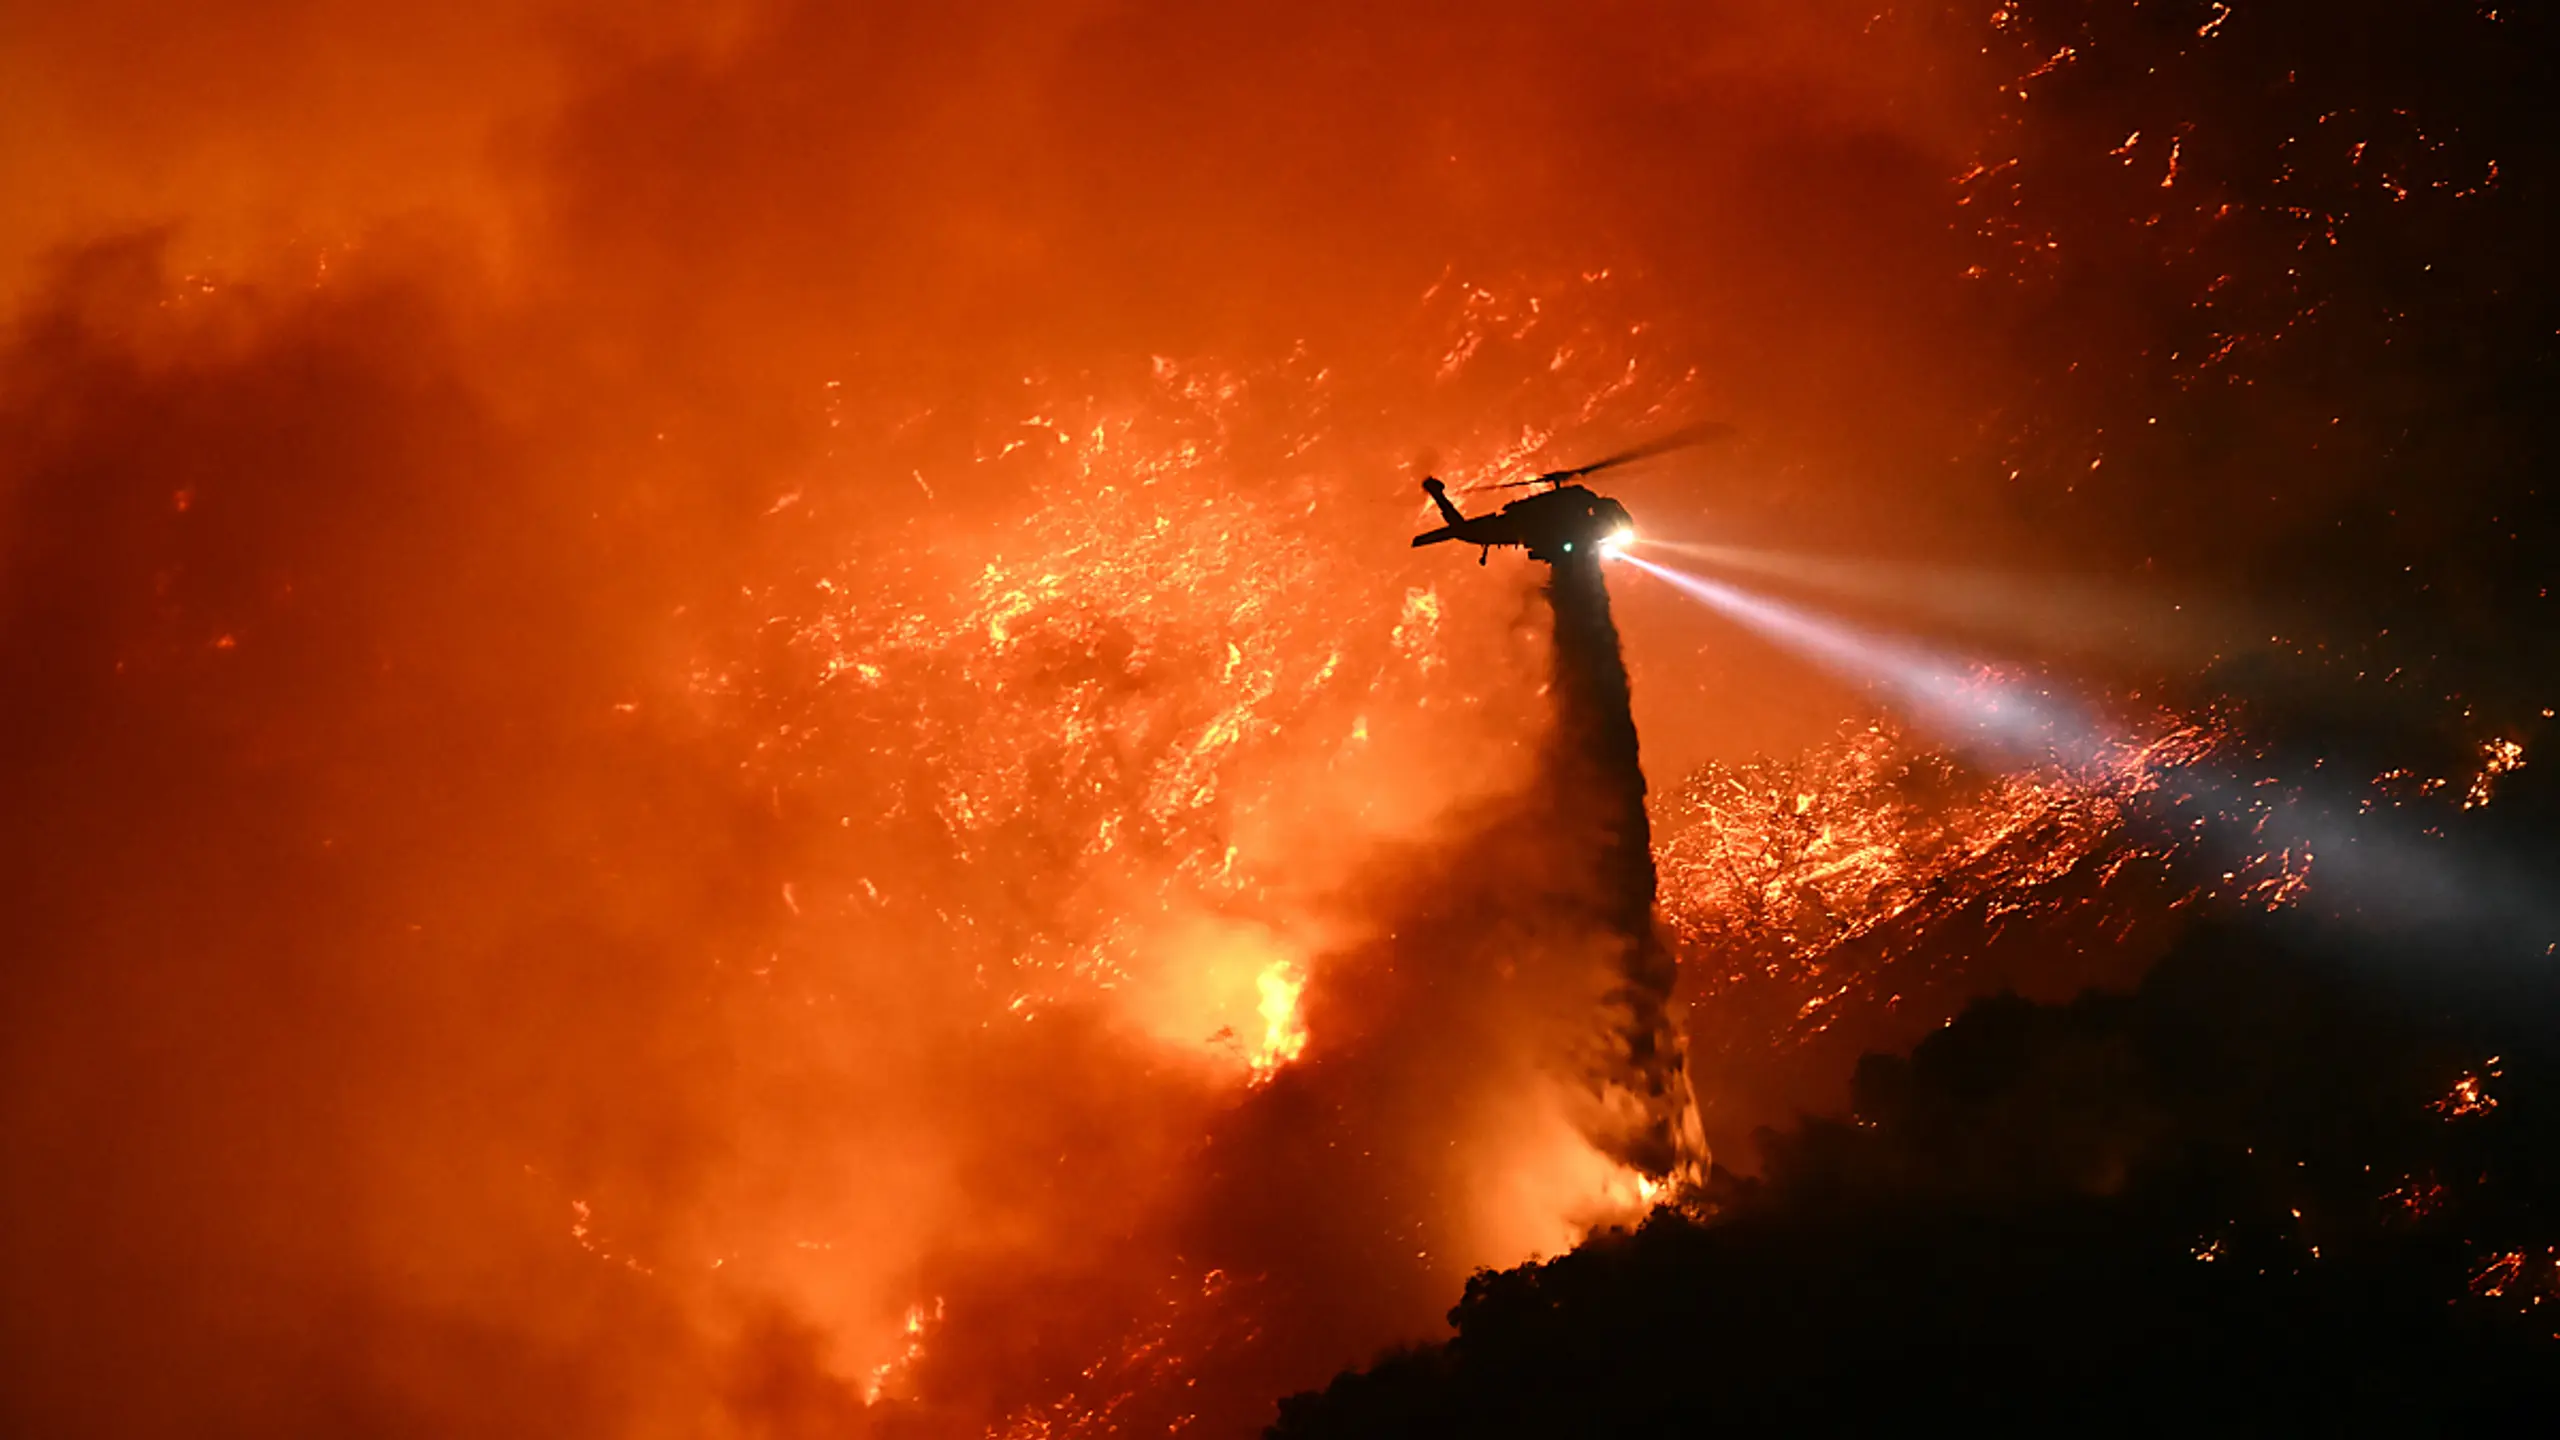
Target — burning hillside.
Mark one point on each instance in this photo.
(723, 725)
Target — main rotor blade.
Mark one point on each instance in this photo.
(1679, 439)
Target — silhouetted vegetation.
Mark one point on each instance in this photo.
(2279, 1188)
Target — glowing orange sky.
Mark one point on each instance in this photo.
(699, 670)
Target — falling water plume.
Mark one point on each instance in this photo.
(1599, 787)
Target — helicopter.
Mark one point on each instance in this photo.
(1563, 522)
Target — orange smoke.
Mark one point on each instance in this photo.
(722, 727)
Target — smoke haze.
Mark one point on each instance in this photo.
(719, 725)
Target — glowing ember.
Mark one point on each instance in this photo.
(2523, 1278)
(2416, 1198)
(2466, 1099)
(2497, 758)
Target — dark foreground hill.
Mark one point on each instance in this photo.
(2288, 1185)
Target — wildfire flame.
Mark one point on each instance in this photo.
(1284, 1035)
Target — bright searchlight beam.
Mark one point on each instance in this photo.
(2053, 611)
(2369, 868)
(1940, 691)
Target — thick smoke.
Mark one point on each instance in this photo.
(1515, 1002)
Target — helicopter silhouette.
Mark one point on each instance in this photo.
(1563, 522)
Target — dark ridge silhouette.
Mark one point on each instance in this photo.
(2261, 1193)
